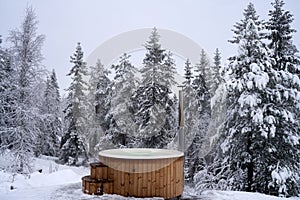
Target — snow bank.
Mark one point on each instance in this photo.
(57, 178)
(233, 195)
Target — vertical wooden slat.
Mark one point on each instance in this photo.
(161, 182)
(167, 180)
(107, 187)
(140, 179)
(131, 178)
(144, 181)
(177, 176)
(83, 185)
(157, 177)
(153, 182)
(87, 187)
(126, 177)
(116, 178)
(93, 171)
(135, 182)
(122, 178)
(110, 172)
(172, 177)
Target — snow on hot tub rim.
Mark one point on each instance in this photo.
(140, 153)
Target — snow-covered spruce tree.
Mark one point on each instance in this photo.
(72, 144)
(218, 98)
(191, 115)
(49, 139)
(25, 116)
(203, 68)
(246, 81)
(154, 107)
(216, 170)
(6, 88)
(215, 73)
(98, 105)
(218, 104)
(171, 106)
(201, 114)
(103, 97)
(284, 104)
(250, 127)
(122, 126)
(201, 85)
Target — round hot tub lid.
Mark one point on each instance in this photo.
(141, 153)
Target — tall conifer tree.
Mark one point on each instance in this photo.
(72, 143)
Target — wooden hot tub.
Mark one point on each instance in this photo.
(139, 172)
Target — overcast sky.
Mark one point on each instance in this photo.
(66, 22)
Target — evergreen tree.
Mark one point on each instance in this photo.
(203, 68)
(25, 116)
(99, 102)
(283, 107)
(283, 51)
(188, 74)
(103, 97)
(48, 141)
(215, 73)
(6, 87)
(199, 110)
(72, 143)
(239, 27)
(191, 115)
(218, 98)
(122, 127)
(248, 73)
(154, 107)
(259, 150)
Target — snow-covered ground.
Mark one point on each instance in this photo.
(61, 182)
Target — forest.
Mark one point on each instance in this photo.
(242, 119)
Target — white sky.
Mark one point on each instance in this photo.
(91, 22)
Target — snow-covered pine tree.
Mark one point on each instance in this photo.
(215, 72)
(201, 85)
(24, 121)
(200, 114)
(171, 106)
(203, 68)
(122, 126)
(102, 105)
(72, 144)
(191, 115)
(216, 170)
(284, 104)
(6, 88)
(99, 94)
(218, 98)
(248, 126)
(218, 103)
(49, 140)
(103, 96)
(153, 103)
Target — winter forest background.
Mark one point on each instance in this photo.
(249, 108)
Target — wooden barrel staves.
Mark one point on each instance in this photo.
(99, 171)
(147, 173)
(91, 186)
(97, 183)
(137, 173)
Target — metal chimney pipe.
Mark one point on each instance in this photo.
(181, 137)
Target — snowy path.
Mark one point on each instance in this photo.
(73, 192)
